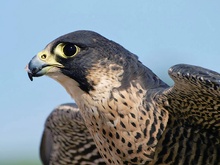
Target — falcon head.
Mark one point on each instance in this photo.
(89, 59)
(83, 56)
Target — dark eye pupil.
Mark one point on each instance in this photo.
(69, 49)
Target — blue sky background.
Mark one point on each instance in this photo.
(161, 34)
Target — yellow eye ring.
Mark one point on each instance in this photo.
(70, 49)
(67, 50)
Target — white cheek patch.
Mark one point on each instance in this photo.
(71, 86)
(54, 72)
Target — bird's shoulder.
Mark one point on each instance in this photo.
(194, 98)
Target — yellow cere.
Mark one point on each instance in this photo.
(48, 58)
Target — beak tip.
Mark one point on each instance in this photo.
(26, 68)
(29, 73)
(30, 76)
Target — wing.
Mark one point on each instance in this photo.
(46, 146)
(195, 96)
(66, 139)
(192, 135)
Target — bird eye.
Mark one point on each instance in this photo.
(70, 49)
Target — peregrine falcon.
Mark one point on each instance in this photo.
(132, 115)
(66, 140)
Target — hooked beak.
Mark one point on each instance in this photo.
(38, 67)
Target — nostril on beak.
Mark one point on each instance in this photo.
(43, 56)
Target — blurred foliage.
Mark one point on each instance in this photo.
(20, 162)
